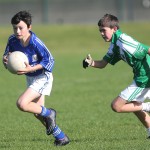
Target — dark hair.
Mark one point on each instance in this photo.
(108, 20)
(22, 16)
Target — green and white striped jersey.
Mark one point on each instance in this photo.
(124, 47)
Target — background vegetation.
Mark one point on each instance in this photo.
(82, 97)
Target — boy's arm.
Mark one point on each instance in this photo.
(99, 64)
(149, 51)
(88, 61)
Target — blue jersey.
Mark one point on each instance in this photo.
(36, 51)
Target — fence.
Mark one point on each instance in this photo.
(75, 11)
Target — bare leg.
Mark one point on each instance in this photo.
(143, 117)
(40, 101)
(120, 105)
(26, 102)
(145, 120)
(31, 101)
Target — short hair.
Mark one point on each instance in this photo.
(22, 16)
(109, 20)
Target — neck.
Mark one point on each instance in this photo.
(25, 40)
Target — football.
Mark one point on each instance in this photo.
(16, 61)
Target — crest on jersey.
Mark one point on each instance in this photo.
(34, 58)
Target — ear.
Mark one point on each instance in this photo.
(30, 27)
(115, 28)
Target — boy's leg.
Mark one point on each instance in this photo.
(121, 105)
(41, 101)
(145, 120)
(132, 100)
(40, 118)
(60, 138)
(26, 102)
(143, 117)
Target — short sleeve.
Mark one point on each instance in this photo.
(141, 51)
(112, 57)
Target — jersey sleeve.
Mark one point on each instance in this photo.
(135, 48)
(8, 46)
(6, 50)
(111, 56)
(141, 51)
(47, 60)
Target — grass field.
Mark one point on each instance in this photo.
(81, 97)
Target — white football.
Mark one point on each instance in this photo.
(16, 61)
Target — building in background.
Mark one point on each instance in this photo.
(75, 11)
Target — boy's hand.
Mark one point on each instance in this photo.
(25, 70)
(87, 61)
(5, 60)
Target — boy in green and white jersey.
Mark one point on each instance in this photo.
(137, 55)
(125, 48)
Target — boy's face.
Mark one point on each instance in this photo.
(21, 30)
(107, 33)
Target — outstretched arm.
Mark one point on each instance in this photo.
(88, 61)
(99, 64)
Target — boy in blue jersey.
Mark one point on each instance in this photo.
(137, 56)
(38, 74)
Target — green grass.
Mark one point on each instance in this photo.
(81, 97)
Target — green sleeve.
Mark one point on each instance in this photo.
(141, 51)
(112, 59)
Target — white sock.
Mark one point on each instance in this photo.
(148, 132)
(146, 107)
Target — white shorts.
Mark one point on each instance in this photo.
(41, 83)
(135, 93)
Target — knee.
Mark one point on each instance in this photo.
(21, 106)
(115, 107)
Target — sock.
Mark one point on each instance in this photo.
(45, 112)
(146, 107)
(148, 132)
(57, 133)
